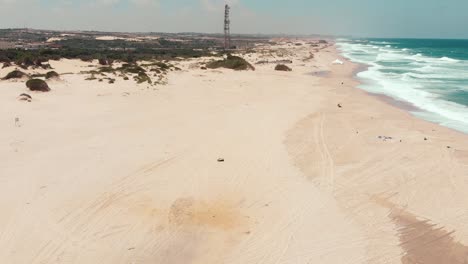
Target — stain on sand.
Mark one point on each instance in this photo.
(201, 231)
(218, 214)
(423, 241)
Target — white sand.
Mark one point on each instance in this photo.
(54, 39)
(126, 173)
(107, 38)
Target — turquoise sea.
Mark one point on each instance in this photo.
(430, 74)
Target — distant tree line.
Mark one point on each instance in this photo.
(27, 58)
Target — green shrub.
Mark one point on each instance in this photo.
(15, 75)
(37, 85)
(107, 69)
(6, 65)
(282, 67)
(142, 77)
(131, 68)
(231, 62)
(162, 65)
(52, 75)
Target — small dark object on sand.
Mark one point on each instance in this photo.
(425, 139)
(342, 83)
(25, 97)
(385, 138)
(220, 160)
(340, 106)
(449, 147)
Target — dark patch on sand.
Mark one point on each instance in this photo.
(319, 73)
(424, 242)
(188, 212)
(397, 103)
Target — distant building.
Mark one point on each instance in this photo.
(6, 45)
(36, 46)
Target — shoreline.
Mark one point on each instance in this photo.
(386, 168)
(403, 105)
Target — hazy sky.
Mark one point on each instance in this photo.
(375, 18)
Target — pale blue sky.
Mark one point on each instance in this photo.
(368, 18)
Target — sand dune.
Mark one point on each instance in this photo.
(126, 173)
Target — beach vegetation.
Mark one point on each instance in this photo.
(142, 77)
(231, 62)
(282, 67)
(6, 65)
(52, 75)
(131, 68)
(91, 78)
(37, 85)
(16, 74)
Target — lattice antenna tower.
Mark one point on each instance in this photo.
(227, 27)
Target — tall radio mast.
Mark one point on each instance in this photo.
(227, 28)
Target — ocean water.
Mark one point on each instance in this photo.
(432, 75)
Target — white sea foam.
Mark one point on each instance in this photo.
(448, 59)
(414, 78)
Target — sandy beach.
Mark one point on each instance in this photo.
(315, 170)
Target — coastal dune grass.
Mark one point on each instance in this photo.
(15, 75)
(37, 85)
(282, 67)
(52, 75)
(231, 62)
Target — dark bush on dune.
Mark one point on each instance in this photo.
(103, 62)
(85, 58)
(142, 77)
(231, 62)
(162, 65)
(282, 67)
(131, 68)
(15, 75)
(25, 62)
(37, 85)
(6, 65)
(39, 64)
(4, 58)
(52, 75)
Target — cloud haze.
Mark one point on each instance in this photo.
(398, 18)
